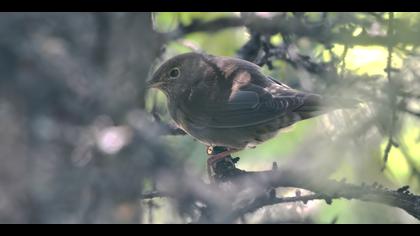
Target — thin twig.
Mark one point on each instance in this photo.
(392, 95)
(153, 194)
(343, 60)
(206, 26)
(267, 201)
(411, 112)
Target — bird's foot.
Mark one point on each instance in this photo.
(220, 162)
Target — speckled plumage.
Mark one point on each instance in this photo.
(223, 101)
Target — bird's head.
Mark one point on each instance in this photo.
(177, 74)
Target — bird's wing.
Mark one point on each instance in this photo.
(245, 97)
(249, 105)
(279, 83)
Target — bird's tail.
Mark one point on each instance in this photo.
(315, 105)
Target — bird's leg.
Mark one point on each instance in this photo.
(217, 154)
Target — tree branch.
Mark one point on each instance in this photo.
(322, 188)
(206, 26)
(392, 94)
(330, 189)
(268, 201)
(320, 32)
(153, 194)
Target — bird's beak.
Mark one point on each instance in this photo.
(153, 84)
(149, 84)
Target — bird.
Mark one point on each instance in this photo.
(229, 102)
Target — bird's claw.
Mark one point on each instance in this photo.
(216, 154)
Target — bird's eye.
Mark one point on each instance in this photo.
(174, 73)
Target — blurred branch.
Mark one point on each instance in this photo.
(252, 49)
(297, 60)
(322, 33)
(409, 111)
(206, 26)
(378, 16)
(103, 31)
(323, 189)
(153, 194)
(267, 200)
(392, 94)
(409, 95)
(297, 25)
(343, 61)
(319, 31)
(330, 189)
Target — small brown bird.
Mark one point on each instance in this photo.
(224, 101)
